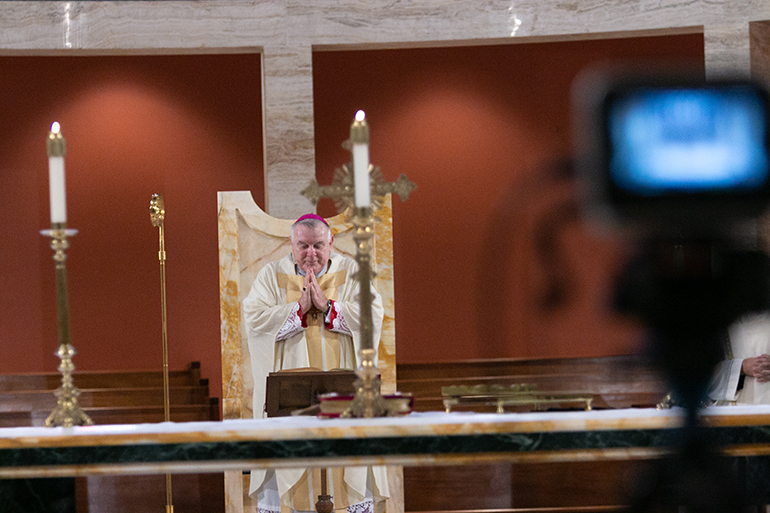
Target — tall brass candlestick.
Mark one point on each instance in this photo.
(157, 216)
(368, 401)
(67, 412)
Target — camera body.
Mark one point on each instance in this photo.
(671, 155)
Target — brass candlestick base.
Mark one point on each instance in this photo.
(368, 401)
(67, 412)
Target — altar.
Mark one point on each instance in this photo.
(415, 439)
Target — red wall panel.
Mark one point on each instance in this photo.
(183, 126)
(477, 129)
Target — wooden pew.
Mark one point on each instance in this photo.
(126, 396)
(614, 382)
(102, 379)
(123, 397)
(110, 397)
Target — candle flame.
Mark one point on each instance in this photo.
(360, 115)
(55, 127)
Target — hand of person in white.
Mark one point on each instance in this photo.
(757, 367)
(312, 295)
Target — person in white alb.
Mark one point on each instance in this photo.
(743, 377)
(303, 312)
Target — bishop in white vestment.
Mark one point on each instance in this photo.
(303, 312)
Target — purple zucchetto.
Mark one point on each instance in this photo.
(312, 216)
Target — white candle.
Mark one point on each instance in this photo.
(359, 137)
(56, 151)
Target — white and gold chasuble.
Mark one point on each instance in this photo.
(324, 346)
(270, 304)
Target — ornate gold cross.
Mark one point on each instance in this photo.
(341, 189)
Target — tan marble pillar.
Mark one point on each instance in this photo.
(289, 144)
(727, 50)
(740, 49)
(759, 35)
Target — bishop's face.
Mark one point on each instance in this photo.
(310, 247)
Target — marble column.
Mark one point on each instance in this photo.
(759, 35)
(727, 50)
(289, 146)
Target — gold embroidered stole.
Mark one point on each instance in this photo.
(315, 334)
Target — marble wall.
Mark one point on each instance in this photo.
(286, 32)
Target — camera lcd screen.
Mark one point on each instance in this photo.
(667, 141)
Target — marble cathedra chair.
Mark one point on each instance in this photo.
(248, 239)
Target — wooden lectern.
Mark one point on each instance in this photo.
(292, 390)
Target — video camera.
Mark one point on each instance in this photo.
(672, 155)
